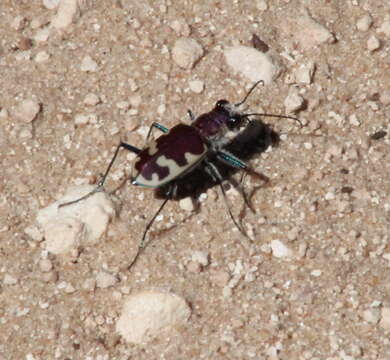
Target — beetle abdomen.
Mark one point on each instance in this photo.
(169, 156)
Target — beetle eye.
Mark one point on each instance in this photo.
(221, 103)
(234, 122)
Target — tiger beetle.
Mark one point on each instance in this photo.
(165, 160)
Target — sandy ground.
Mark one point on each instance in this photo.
(327, 200)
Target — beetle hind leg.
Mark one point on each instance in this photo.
(170, 194)
(100, 184)
(216, 176)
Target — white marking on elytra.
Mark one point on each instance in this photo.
(152, 148)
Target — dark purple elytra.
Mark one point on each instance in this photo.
(169, 156)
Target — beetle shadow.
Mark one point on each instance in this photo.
(253, 140)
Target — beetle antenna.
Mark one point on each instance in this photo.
(249, 92)
(274, 115)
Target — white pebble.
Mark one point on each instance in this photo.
(385, 97)
(353, 120)
(293, 102)
(364, 23)
(146, 314)
(316, 273)
(91, 99)
(180, 27)
(252, 64)
(27, 110)
(384, 28)
(83, 119)
(42, 35)
(372, 315)
(187, 204)
(186, 52)
(50, 4)
(385, 318)
(280, 250)
(80, 223)
(200, 257)
(311, 33)
(66, 13)
(123, 105)
(34, 233)
(105, 280)
(88, 64)
(196, 86)
(305, 73)
(41, 57)
(9, 280)
(262, 5)
(373, 43)
(45, 265)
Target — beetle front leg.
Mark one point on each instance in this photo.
(157, 126)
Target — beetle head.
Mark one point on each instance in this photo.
(233, 117)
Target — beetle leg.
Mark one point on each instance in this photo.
(100, 184)
(170, 193)
(235, 162)
(216, 176)
(191, 115)
(157, 126)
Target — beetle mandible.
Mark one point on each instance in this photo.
(183, 148)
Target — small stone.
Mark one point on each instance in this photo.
(24, 43)
(91, 99)
(316, 273)
(180, 27)
(385, 28)
(50, 4)
(18, 23)
(252, 64)
(294, 102)
(279, 250)
(187, 204)
(105, 280)
(27, 110)
(146, 314)
(83, 222)
(123, 105)
(194, 267)
(372, 315)
(45, 265)
(42, 35)
(186, 52)
(135, 100)
(220, 278)
(311, 33)
(88, 64)
(196, 86)
(262, 5)
(9, 280)
(34, 233)
(304, 73)
(364, 23)
(69, 289)
(385, 318)
(200, 257)
(384, 98)
(41, 57)
(66, 13)
(89, 284)
(84, 119)
(353, 120)
(373, 43)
